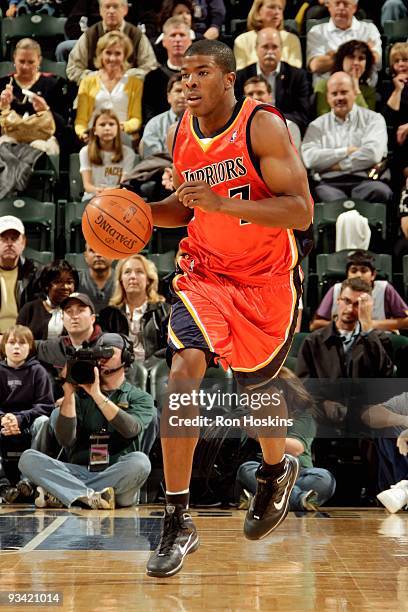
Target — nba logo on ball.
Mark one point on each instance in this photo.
(117, 223)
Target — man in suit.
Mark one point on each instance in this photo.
(290, 87)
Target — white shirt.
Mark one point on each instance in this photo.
(117, 100)
(109, 174)
(135, 328)
(327, 139)
(271, 78)
(327, 37)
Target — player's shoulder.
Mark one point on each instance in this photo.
(267, 123)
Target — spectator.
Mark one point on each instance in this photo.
(112, 414)
(356, 59)
(348, 347)
(266, 14)
(258, 88)
(113, 12)
(44, 315)
(176, 39)
(97, 280)
(47, 94)
(389, 310)
(80, 14)
(155, 133)
(18, 275)
(314, 486)
(135, 296)
(78, 317)
(21, 7)
(172, 8)
(209, 17)
(324, 39)
(104, 161)
(345, 147)
(393, 10)
(290, 87)
(111, 87)
(25, 398)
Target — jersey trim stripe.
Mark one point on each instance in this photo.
(177, 343)
(193, 313)
(205, 146)
(287, 331)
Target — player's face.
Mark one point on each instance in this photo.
(176, 98)
(258, 91)
(134, 278)
(106, 128)
(113, 13)
(363, 272)
(355, 64)
(271, 13)
(268, 49)
(342, 11)
(204, 84)
(341, 96)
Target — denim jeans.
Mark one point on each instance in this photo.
(317, 479)
(68, 481)
(393, 10)
(63, 50)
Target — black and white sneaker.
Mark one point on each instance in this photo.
(270, 504)
(178, 539)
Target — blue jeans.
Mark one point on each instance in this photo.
(63, 50)
(68, 481)
(317, 479)
(393, 10)
(24, 7)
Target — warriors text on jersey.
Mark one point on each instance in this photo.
(226, 245)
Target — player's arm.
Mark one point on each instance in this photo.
(170, 212)
(281, 170)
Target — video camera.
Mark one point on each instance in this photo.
(81, 364)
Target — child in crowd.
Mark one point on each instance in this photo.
(26, 401)
(104, 160)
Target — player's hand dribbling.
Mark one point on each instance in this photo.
(198, 194)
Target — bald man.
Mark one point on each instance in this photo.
(343, 148)
(289, 86)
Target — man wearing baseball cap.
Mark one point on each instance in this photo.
(389, 312)
(18, 275)
(78, 316)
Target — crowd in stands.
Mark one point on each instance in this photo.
(107, 99)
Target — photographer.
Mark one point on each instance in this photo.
(100, 425)
(78, 317)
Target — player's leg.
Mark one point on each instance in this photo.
(276, 476)
(179, 536)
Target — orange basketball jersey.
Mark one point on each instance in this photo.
(222, 244)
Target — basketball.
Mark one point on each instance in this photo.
(117, 223)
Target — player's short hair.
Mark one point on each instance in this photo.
(356, 284)
(222, 54)
(258, 79)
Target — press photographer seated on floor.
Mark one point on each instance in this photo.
(100, 424)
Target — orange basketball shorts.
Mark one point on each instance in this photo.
(247, 328)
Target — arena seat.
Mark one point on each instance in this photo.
(164, 262)
(39, 220)
(396, 30)
(76, 188)
(46, 30)
(76, 260)
(74, 238)
(42, 257)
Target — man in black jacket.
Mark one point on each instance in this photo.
(18, 275)
(290, 87)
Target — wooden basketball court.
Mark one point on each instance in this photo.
(336, 560)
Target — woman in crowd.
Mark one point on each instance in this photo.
(266, 14)
(44, 315)
(354, 57)
(26, 401)
(136, 297)
(104, 161)
(28, 90)
(111, 87)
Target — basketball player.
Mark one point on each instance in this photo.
(242, 191)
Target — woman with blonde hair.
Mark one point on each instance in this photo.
(266, 14)
(136, 296)
(111, 87)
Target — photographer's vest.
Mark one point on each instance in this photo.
(378, 296)
(96, 31)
